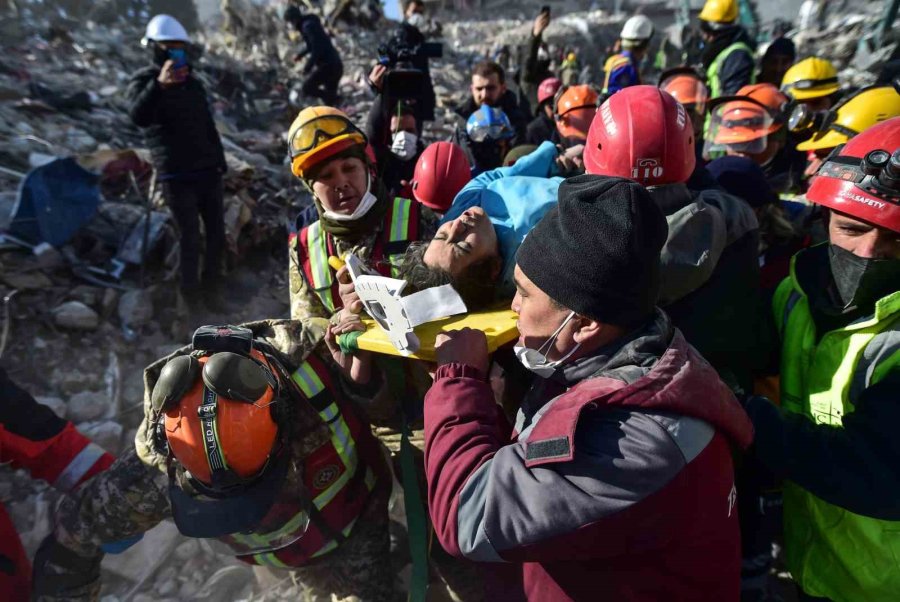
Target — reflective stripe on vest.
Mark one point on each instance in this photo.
(712, 73)
(832, 552)
(311, 385)
(612, 63)
(322, 279)
(400, 226)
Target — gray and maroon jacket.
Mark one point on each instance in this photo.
(619, 485)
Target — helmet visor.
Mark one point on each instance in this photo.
(810, 84)
(480, 133)
(312, 133)
(742, 126)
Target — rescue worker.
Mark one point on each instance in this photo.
(291, 476)
(710, 274)
(356, 214)
(575, 109)
(569, 70)
(488, 87)
(543, 126)
(828, 129)
(753, 124)
(171, 106)
(323, 69)
(780, 54)
(589, 494)
(687, 87)
(441, 172)
(623, 69)
(812, 82)
(727, 57)
(833, 439)
(33, 438)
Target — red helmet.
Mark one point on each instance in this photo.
(862, 178)
(548, 88)
(644, 134)
(441, 172)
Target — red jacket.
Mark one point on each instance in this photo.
(34, 438)
(620, 485)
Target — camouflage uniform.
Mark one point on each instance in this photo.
(305, 302)
(132, 496)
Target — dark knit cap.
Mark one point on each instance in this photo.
(597, 251)
(743, 178)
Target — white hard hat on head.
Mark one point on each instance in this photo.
(165, 28)
(638, 27)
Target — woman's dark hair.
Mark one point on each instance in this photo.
(476, 285)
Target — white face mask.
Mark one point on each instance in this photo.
(536, 360)
(365, 204)
(404, 145)
(416, 20)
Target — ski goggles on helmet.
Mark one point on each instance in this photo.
(318, 130)
(230, 370)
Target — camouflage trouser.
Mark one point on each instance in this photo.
(360, 569)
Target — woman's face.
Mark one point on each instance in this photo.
(340, 184)
(465, 241)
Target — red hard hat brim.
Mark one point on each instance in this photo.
(847, 197)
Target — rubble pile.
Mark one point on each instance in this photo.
(82, 314)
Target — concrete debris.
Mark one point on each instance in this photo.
(76, 315)
(59, 407)
(87, 405)
(107, 434)
(136, 308)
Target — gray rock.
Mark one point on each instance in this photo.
(136, 308)
(187, 550)
(87, 405)
(147, 554)
(76, 315)
(56, 404)
(106, 434)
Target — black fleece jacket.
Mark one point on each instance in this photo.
(177, 123)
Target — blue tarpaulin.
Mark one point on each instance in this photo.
(55, 200)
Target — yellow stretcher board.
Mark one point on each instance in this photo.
(498, 325)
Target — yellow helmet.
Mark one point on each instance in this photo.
(571, 57)
(317, 134)
(810, 78)
(856, 114)
(720, 11)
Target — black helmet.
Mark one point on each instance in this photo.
(292, 14)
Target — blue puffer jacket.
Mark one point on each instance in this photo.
(515, 198)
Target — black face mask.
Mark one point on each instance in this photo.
(159, 54)
(862, 281)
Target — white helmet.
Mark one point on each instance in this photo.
(163, 28)
(638, 27)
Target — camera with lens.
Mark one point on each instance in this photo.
(406, 58)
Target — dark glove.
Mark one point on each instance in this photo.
(60, 573)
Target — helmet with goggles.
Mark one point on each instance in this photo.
(214, 408)
(854, 115)
(862, 177)
(810, 78)
(489, 123)
(318, 134)
(741, 124)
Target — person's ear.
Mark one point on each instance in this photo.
(586, 329)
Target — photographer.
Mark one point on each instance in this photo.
(396, 158)
(170, 104)
(323, 69)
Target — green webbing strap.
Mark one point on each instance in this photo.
(348, 342)
(416, 520)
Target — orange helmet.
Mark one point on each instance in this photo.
(770, 97)
(687, 87)
(575, 109)
(218, 415)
